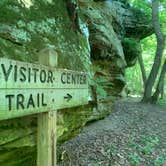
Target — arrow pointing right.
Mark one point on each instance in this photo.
(68, 97)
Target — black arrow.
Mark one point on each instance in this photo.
(68, 97)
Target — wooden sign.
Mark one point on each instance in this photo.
(27, 88)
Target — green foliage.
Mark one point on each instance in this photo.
(143, 148)
(112, 150)
(143, 5)
(140, 150)
(133, 74)
(162, 101)
(149, 44)
(131, 50)
(134, 159)
(148, 143)
(160, 161)
(101, 91)
(134, 80)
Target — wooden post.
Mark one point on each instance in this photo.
(33, 88)
(46, 137)
(46, 141)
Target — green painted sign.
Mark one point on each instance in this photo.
(27, 88)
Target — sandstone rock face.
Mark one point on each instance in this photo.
(87, 35)
(112, 24)
(106, 49)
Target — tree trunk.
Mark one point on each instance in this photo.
(162, 90)
(142, 67)
(160, 84)
(159, 52)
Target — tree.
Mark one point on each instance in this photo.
(142, 67)
(158, 55)
(160, 84)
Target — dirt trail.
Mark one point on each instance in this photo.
(134, 134)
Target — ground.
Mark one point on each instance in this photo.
(133, 134)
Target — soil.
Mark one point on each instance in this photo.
(133, 134)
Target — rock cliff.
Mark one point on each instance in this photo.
(89, 36)
(115, 31)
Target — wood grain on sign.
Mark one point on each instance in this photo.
(46, 139)
(27, 88)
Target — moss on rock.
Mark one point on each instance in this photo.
(132, 49)
(28, 27)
